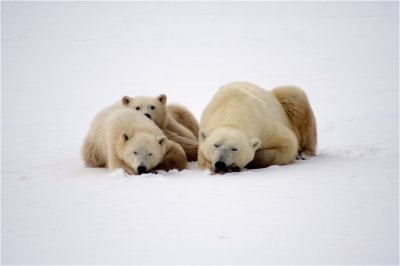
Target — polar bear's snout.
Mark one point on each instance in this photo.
(221, 162)
(141, 169)
(148, 115)
(220, 166)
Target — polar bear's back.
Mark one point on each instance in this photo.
(243, 105)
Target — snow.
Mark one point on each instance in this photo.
(64, 61)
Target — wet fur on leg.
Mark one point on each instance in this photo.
(183, 117)
(190, 146)
(174, 157)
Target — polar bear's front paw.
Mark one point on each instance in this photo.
(129, 171)
(233, 168)
(302, 156)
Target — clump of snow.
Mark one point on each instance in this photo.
(207, 172)
(167, 173)
(119, 173)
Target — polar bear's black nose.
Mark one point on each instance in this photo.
(141, 169)
(220, 166)
(149, 116)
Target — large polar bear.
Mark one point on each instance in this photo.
(246, 126)
(124, 138)
(176, 121)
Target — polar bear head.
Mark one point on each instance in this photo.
(142, 152)
(227, 150)
(152, 107)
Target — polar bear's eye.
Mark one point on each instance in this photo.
(216, 145)
(152, 107)
(137, 108)
(135, 152)
(150, 154)
(234, 149)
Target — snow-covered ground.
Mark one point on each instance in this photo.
(62, 62)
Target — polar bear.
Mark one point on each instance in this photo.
(176, 121)
(124, 138)
(246, 126)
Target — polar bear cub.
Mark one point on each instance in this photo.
(156, 109)
(177, 123)
(246, 126)
(124, 138)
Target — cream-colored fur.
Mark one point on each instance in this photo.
(174, 157)
(246, 126)
(176, 121)
(184, 117)
(120, 137)
(295, 102)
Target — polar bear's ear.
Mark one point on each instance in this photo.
(125, 136)
(255, 143)
(162, 98)
(126, 100)
(161, 140)
(203, 135)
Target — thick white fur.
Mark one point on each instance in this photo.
(243, 116)
(117, 132)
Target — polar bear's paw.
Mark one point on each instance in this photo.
(302, 156)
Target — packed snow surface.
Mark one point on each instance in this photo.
(62, 62)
